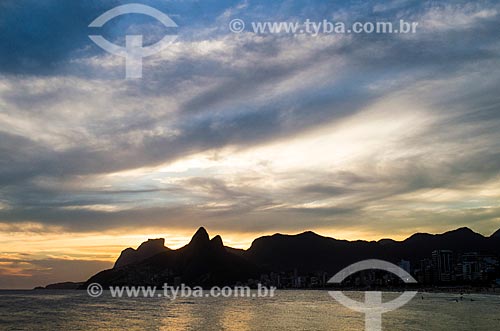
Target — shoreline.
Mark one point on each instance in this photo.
(429, 290)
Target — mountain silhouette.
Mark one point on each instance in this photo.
(496, 234)
(207, 262)
(310, 252)
(145, 250)
(201, 262)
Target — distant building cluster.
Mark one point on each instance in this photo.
(442, 268)
(294, 279)
(446, 266)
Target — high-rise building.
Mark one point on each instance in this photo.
(443, 266)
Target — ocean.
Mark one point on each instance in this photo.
(288, 310)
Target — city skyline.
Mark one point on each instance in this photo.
(460, 257)
(80, 270)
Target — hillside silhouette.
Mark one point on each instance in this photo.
(207, 262)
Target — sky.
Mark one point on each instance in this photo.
(353, 136)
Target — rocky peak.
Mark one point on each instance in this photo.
(496, 234)
(146, 250)
(217, 243)
(200, 238)
(152, 244)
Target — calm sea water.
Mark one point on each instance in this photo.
(288, 310)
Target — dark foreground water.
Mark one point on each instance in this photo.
(288, 310)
